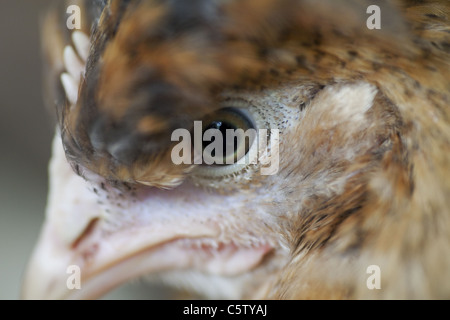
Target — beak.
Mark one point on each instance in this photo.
(88, 246)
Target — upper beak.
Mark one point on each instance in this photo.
(84, 252)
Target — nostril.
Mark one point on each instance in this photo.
(86, 232)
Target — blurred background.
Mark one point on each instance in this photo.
(26, 131)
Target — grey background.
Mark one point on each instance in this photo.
(26, 130)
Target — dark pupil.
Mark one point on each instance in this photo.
(222, 126)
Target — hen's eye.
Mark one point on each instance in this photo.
(227, 136)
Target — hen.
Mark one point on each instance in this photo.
(355, 139)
